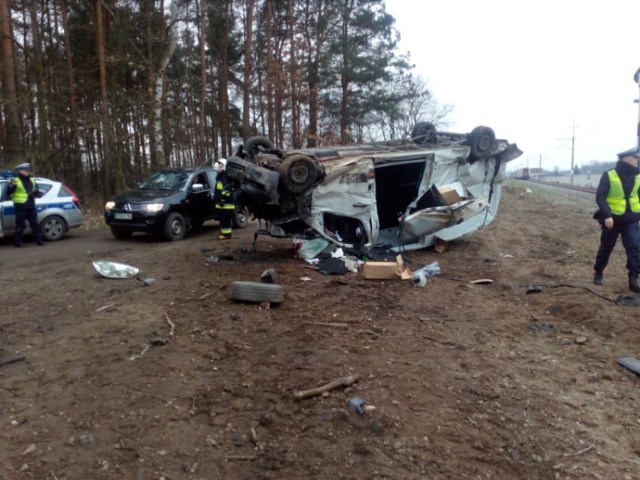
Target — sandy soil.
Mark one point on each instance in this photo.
(469, 381)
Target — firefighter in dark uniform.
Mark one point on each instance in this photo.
(24, 191)
(224, 199)
(618, 214)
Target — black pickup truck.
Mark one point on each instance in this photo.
(169, 203)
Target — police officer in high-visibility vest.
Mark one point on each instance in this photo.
(224, 199)
(24, 191)
(619, 213)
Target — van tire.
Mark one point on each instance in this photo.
(254, 145)
(424, 133)
(482, 141)
(298, 173)
(256, 292)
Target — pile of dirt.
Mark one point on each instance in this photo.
(514, 378)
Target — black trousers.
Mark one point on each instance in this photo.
(24, 215)
(630, 234)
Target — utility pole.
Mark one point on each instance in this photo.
(573, 149)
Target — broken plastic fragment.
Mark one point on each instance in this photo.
(357, 405)
(114, 269)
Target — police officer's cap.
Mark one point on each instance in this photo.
(632, 152)
(23, 166)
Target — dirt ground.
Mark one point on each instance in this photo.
(468, 381)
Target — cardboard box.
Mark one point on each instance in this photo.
(450, 195)
(380, 270)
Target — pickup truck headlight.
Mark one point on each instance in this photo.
(109, 205)
(152, 207)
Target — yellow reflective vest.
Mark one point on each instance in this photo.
(616, 199)
(20, 194)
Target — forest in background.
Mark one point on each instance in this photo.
(98, 93)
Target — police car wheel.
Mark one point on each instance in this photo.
(482, 140)
(240, 216)
(53, 228)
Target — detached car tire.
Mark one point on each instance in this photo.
(298, 173)
(256, 292)
(174, 227)
(53, 228)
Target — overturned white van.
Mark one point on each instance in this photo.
(401, 195)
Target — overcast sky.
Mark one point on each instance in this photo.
(529, 69)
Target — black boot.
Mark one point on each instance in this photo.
(597, 278)
(634, 286)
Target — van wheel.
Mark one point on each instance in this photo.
(481, 140)
(121, 234)
(254, 145)
(174, 227)
(424, 133)
(298, 173)
(256, 292)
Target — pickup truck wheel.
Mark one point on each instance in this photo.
(254, 144)
(481, 140)
(256, 292)
(121, 234)
(240, 216)
(298, 173)
(424, 133)
(53, 228)
(174, 227)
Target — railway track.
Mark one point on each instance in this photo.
(566, 186)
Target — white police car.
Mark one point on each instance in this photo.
(58, 209)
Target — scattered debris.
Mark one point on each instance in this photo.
(30, 449)
(11, 360)
(332, 266)
(581, 339)
(306, 279)
(481, 281)
(148, 281)
(114, 269)
(628, 300)
(329, 324)
(106, 307)
(171, 324)
(158, 341)
(420, 276)
(357, 405)
(630, 363)
(542, 327)
(534, 288)
(269, 276)
(314, 392)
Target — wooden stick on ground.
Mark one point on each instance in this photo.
(313, 392)
(171, 324)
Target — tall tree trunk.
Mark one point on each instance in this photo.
(72, 170)
(270, 71)
(107, 140)
(158, 112)
(42, 141)
(11, 139)
(246, 83)
(200, 146)
(294, 85)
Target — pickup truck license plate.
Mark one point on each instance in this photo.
(123, 216)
